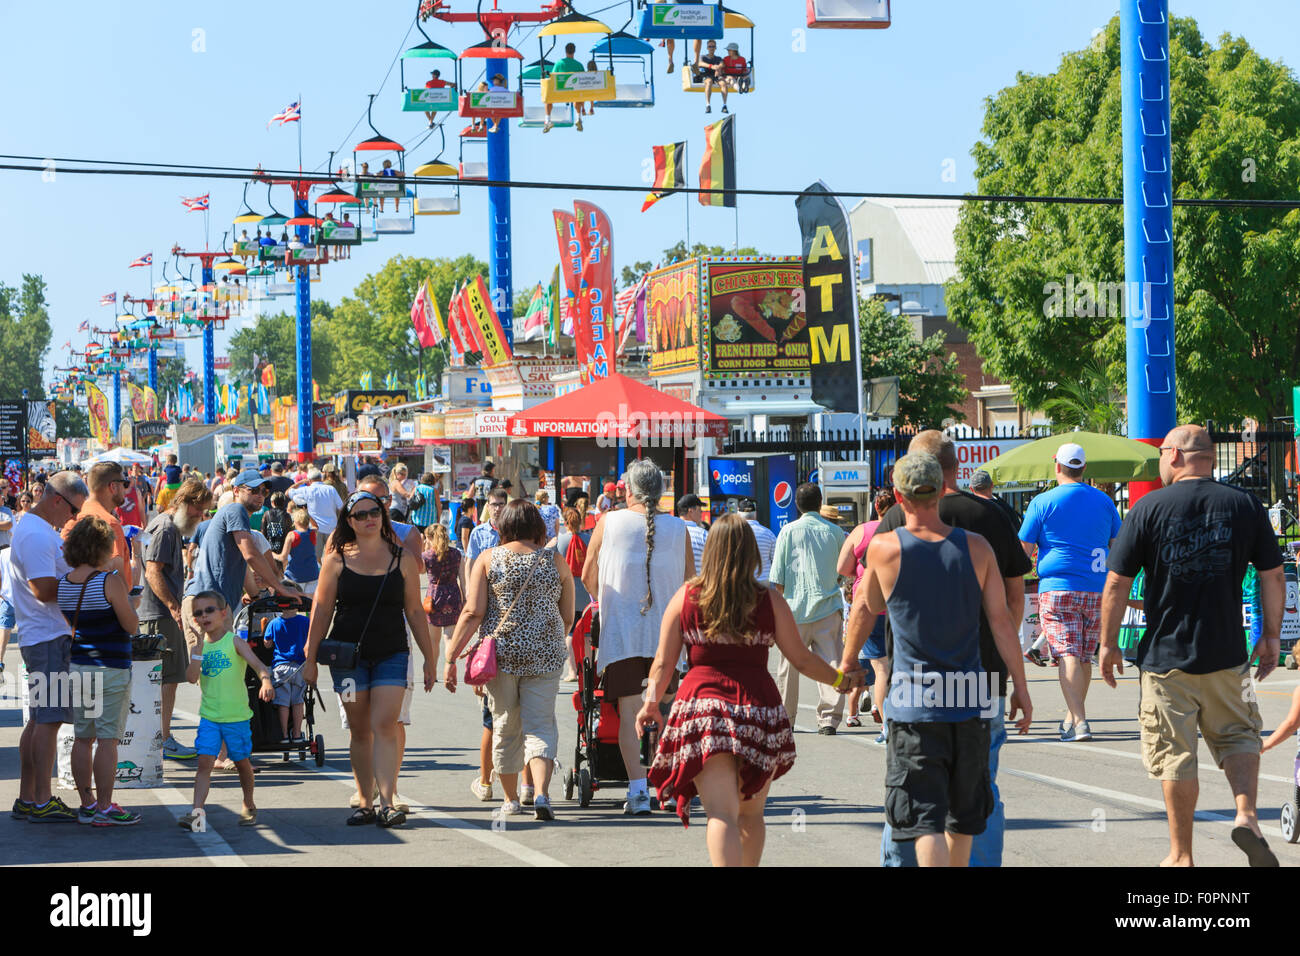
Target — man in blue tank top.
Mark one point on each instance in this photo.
(940, 696)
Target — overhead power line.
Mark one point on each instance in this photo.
(96, 167)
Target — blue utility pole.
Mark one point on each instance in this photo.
(1148, 223)
(498, 157)
(302, 328)
(209, 357)
(117, 404)
(153, 368)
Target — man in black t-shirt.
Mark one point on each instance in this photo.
(961, 510)
(279, 481)
(1194, 538)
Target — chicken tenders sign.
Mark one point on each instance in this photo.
(757, 327)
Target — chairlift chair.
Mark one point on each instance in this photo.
(445, 205)
(534, 109)
(733, 21)
(588, 86)
(490, 104)
(635, 55)
(848, 14)
(428, 99)
(680, 21)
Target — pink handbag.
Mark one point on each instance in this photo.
(482, 666)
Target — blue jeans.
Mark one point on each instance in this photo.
(986, 849)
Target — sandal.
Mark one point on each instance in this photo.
(361, 816)
(391, 817)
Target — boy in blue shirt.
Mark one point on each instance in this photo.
(288, 635)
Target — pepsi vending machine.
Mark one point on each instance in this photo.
(769, 479)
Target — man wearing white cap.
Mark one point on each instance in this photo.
(1071, 527)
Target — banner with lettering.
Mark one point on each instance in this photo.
(830, 300)
(150, 405)
(596, 288)
(97, 408)
(570, 270)
(478, 304)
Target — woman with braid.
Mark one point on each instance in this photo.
(637, 560)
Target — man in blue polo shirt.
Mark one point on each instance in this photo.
(1071, 526)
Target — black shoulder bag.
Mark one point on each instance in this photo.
(345, 654)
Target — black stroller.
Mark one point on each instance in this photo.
(250, 623)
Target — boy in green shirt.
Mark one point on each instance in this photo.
(224, 714)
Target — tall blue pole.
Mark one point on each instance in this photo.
(117, 404)
(209, 359)
(153, 369)
(1148, 223)
(306, 440)
(501, 274)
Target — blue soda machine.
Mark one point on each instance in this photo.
(769, 479)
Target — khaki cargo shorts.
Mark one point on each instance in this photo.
(1175, 704)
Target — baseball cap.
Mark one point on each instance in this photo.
(265, 466)
(609, 488)
(687, 502)
(1071, 455)
(733, 46)
(249, 477)
(918, 477)
(981, 479)
(746, 505)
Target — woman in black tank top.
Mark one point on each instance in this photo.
(368, 584)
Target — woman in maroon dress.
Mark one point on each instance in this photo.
(445, 597)
(728, 736)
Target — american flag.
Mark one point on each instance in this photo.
(290, 114)
(84, 326)
(197, 203)
(108, 299)
(144, 260)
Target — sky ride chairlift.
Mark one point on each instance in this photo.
(746, 83)
(634, 54)
(437, 205)
(535, 112)
(337, 229)
(848, 14)
(588, 86)
(493, 103)
(376, 193)
(439, 97)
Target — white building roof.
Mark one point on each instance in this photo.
(926, 225)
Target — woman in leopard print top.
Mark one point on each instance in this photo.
(520, 593)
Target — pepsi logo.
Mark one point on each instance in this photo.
(782, 494)
(717, 475)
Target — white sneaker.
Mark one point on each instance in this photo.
(547, 126)
(638, 805)
(526, 795)
(510, 808)
(481, 790)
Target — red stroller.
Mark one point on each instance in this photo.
(597, 761)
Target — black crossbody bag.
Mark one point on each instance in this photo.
(346, 654)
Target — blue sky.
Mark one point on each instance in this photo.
(863, 110)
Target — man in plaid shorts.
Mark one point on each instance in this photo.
(1072, 527)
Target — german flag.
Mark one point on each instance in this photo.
(718, 171)
(669, 174)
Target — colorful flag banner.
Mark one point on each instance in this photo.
(367, 380)
(268, 375)
(596, 289)
(196, 204)
(144, 260)
(553, 310)
(436, 321)
(534, 325)
(566, 235)
(469, 330)
(108, 299)
(290, 114)
(670, 172)
(136, 394)
(718, 170)
(150, 404)
(478, 301)
(424, 333)
(97, 408)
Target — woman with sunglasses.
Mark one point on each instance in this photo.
(368, 582)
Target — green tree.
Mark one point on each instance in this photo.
(1236, 134)
(1091, 401)
(632, 274)
(70, 421)
(372, 332)
(24, 337)
(273, 338)
(929, 383)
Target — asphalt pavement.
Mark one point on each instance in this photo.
(1081, 804)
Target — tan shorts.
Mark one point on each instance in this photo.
(105, 701)
(1175, 704)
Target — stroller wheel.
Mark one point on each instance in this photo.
(568, 785)
(1287, 823)
(585, 789)
(319, 750)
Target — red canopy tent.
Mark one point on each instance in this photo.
(618, 407)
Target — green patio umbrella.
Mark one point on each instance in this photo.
(1110, 458)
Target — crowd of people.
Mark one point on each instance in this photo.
(911, 619)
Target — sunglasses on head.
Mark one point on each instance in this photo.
(367, 514)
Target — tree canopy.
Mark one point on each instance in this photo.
(633, 273)
(1235, 134)
(929, 383)
(24, 337)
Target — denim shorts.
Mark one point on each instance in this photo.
(487, 714)
(237, 735)
(6, 614)
(874, 648)
(390, 672)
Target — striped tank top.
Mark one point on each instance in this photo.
(99, 640)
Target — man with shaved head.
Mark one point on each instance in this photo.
(970, 513)
(1193, 539)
